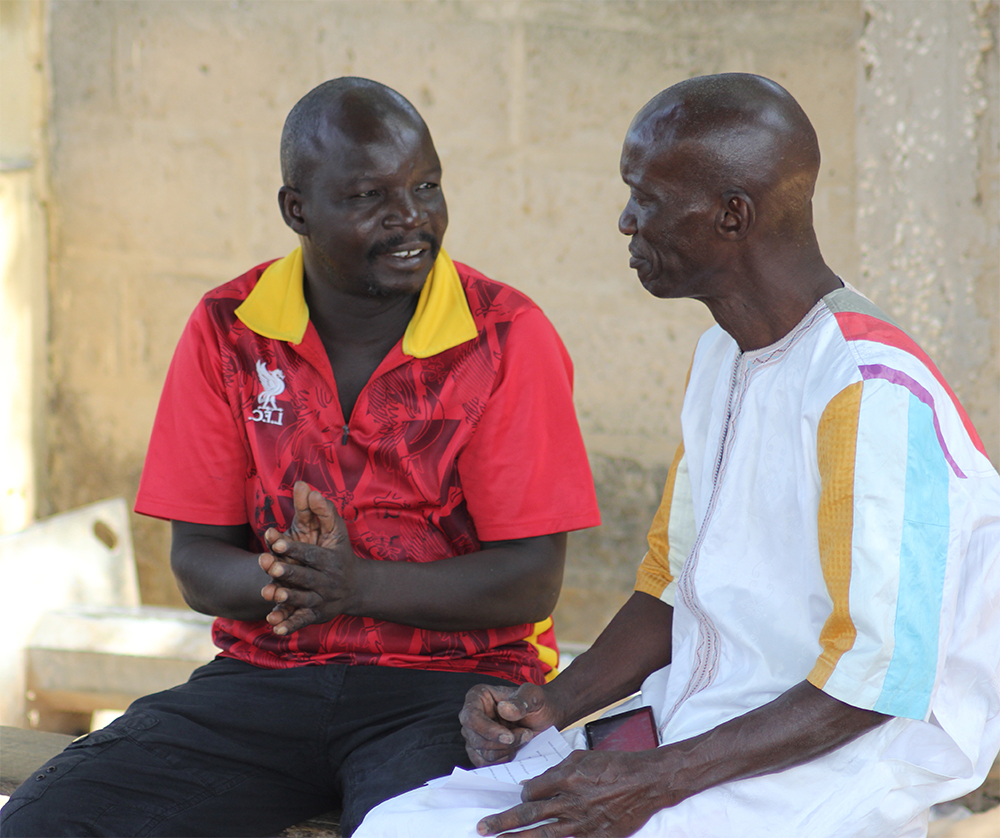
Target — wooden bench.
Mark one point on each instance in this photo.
(82, 659)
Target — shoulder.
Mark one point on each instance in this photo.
(218, 306)
(886, 358)
(879, 349)
(492, 301)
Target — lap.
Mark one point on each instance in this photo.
(402, 751)
(193, 760)
(240, 750)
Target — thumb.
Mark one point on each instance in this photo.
(331, 525)
(527, 699)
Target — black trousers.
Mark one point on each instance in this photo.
(244, 751)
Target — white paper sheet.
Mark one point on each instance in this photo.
(546, 749)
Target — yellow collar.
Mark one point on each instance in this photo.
(276, 308)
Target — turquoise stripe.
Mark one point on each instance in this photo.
(906, 690)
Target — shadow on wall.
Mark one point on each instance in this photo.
(601, 562)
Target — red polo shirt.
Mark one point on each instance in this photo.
(478, 442)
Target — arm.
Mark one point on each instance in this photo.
(496, 721)
(315, 576)
(606, 792)
(215, 571)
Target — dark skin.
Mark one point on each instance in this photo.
(370, 216)
(699, 230)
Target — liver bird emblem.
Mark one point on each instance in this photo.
(272, 384)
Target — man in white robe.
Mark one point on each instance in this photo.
(816, 625)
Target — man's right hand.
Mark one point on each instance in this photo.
(312, 566)
(315, 520)
(497, 721)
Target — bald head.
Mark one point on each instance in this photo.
(361, 110)
(739, 131)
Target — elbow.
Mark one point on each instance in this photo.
(542, 604)
(188, 591)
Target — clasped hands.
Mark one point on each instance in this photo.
(590, 793)
(312, 565)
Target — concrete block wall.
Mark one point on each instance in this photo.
(164, 125)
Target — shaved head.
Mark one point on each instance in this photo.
(359, 109)
(739, 132)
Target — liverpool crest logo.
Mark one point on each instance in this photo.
(272, 385)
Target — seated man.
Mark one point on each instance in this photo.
(432, 406)
(822, 575)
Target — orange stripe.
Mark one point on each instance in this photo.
(654, 574)
(836, 444)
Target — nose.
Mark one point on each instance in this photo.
(406, 212)
(626, 221)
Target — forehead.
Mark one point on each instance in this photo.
(651, 164)
(394, 149)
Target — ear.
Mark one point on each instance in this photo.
(736, 215)
(290, 204)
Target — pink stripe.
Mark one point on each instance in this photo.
(857, 326)
(870, 371)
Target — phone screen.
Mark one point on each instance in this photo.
(631, 731)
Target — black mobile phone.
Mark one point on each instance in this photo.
(634, 730)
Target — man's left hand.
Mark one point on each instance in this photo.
(313, 565)
(599, 793)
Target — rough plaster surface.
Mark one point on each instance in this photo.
(165, 125)
(928, 186)
(23, 234)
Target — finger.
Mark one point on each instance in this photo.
(294, 574)
(489, 757)
(303, 524)
(527, 699)
(331, 525)
(290, 598)
(546, 785)
(279, 614)
(289, 623)
(549, 828)
(479, 714)
(271, 535)
(524, 814)
(300, 496)
(297, 552)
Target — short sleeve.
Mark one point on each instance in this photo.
(525, 471)
(196, 464)
(884, 541)
(671, 535)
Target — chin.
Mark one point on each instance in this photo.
(654, 287)
(380, 290)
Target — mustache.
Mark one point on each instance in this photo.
(388, 245)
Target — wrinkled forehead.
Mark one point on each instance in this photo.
(650, 160)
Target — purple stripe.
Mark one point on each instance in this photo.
(869, 371)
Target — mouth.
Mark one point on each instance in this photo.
(404, 255)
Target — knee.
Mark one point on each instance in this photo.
(23, 817)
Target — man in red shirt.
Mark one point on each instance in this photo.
(370, 460)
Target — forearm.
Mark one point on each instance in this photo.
(800, 725)
(635, 643)
(216, 576)
(504, 584)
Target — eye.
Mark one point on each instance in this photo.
(371, 193)
(429, 185)
(638, 198)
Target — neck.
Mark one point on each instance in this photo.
(771, 299)
(351, 320)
